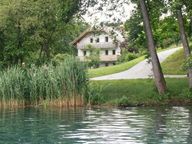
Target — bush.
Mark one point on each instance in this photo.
(123, 102)
(127, 56)
(60, 58)
(187, 64)
(93, 60)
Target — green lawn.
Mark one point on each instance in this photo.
(141, 92)
(173, 64)
(114, 69)
(127, 65)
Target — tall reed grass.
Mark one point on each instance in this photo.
(62, 85)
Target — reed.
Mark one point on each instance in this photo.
(64, 84)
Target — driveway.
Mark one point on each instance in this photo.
(141, 70)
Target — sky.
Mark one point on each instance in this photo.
(108, 13)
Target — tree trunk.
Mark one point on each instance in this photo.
(190, 27)
(184, 42)
(157, 71)
(19, 56)
(47, 51)
(2, 46)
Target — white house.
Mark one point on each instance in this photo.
(109, 49)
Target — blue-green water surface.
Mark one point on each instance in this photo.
(96, 126)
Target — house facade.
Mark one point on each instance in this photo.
(109, 51)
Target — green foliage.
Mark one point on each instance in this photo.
(186, 9)
(46, 83)
(187, 63)
(186, 93)
(93, 59)
(165, 29)
(127, 56)
(123, 102)
(34, 31)
(167, 32)
(134, 28)
(60, 58)
(94, 95)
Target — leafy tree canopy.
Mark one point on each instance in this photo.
(36, 29)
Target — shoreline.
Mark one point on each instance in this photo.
(120, 94)
(167, 103)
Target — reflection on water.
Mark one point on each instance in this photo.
(91, 126)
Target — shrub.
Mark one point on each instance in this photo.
(93, 60)
(60, 58)
(127, 56)
(123, 102)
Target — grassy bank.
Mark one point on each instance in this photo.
(127, 65)
(114, 69)
(173, 64)
(62, 85)
(141, 93)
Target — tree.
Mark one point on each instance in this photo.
(184, 42)
(157, 71)
(35, 30)
(71, 31)
(14, 29)
(187, 4)
(52, 18)
(135, 32)
(1, 48)
(176, 8)
(94, 56)
(165, 28)
(167, 32)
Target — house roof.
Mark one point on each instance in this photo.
(82, 35)
(119, 36)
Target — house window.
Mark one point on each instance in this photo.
(114, 52)
(106, 39)
(106, 64)
(91, 40)
(97, 40)
(84, 53)
(106, 52)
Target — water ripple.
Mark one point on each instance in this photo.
(97, 126)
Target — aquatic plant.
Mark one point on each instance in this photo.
(62, 85)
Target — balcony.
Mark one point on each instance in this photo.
(108, 58)
(103, 45)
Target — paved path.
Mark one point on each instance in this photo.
(141, 70)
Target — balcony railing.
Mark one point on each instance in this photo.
(108, 58)
(104, 45)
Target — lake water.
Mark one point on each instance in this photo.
(96, 126)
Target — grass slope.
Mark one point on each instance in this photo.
(122, 67)
(114, 69)
(142, 92)
(173, 64)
